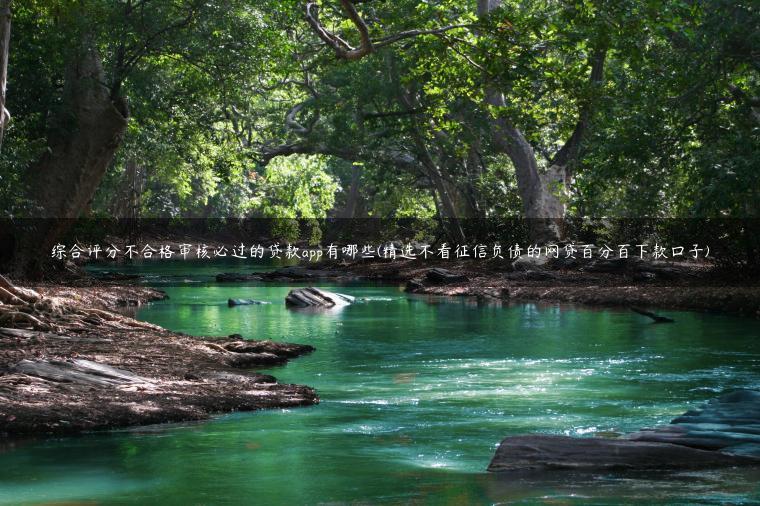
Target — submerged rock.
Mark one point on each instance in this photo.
(724, 432)
(245, 302)
(314, 297)
(729, 424)
(520, 453)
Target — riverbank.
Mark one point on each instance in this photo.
(70, 363)
(664, 286)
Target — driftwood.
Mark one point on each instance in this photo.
(22, 308)
(655, 317)
(78, 371)
(314, 297)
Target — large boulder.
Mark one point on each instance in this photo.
(440, 276)
(543, 452)
(530, 263)
(723, 432)
(314, 297)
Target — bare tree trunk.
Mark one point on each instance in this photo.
(5, 41)
(89, 128)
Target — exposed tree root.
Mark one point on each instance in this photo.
(23, 308)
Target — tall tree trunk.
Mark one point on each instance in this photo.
(539, 193)
(5, 41)
(88, 129)
(352, 196)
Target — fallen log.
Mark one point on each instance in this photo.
(78, 371)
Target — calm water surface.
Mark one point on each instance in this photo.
(416, 394)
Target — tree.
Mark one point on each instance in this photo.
(540, 191)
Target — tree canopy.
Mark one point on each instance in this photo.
(453, 109)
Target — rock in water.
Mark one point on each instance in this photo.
(723, 432)
(314, 297)
(245, 302)
(443, 276)
(729, 424)
(520, 453)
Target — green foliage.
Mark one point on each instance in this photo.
(674, 129)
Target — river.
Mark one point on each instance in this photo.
(416, 393)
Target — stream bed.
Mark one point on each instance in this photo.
(416, 393)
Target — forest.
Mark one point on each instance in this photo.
(564, 201)
(444, 110)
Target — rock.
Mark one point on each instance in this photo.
(282, 349)
(245, 302)
(444, 277)
(663, 270)
(543, 452)
(413, 286)
(255, 359)
(723, 432)
(612, 265)
(314, 297)
(564, 262)
(232, 277)
(530, 263)
(729, 424)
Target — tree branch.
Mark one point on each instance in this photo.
(344, 50)
(571, 148)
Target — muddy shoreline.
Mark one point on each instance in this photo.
(170, 377)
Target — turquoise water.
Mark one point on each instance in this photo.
(416, 393)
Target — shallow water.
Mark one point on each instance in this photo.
(416, 393)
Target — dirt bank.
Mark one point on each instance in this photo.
(69, 363)
(671, 286)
